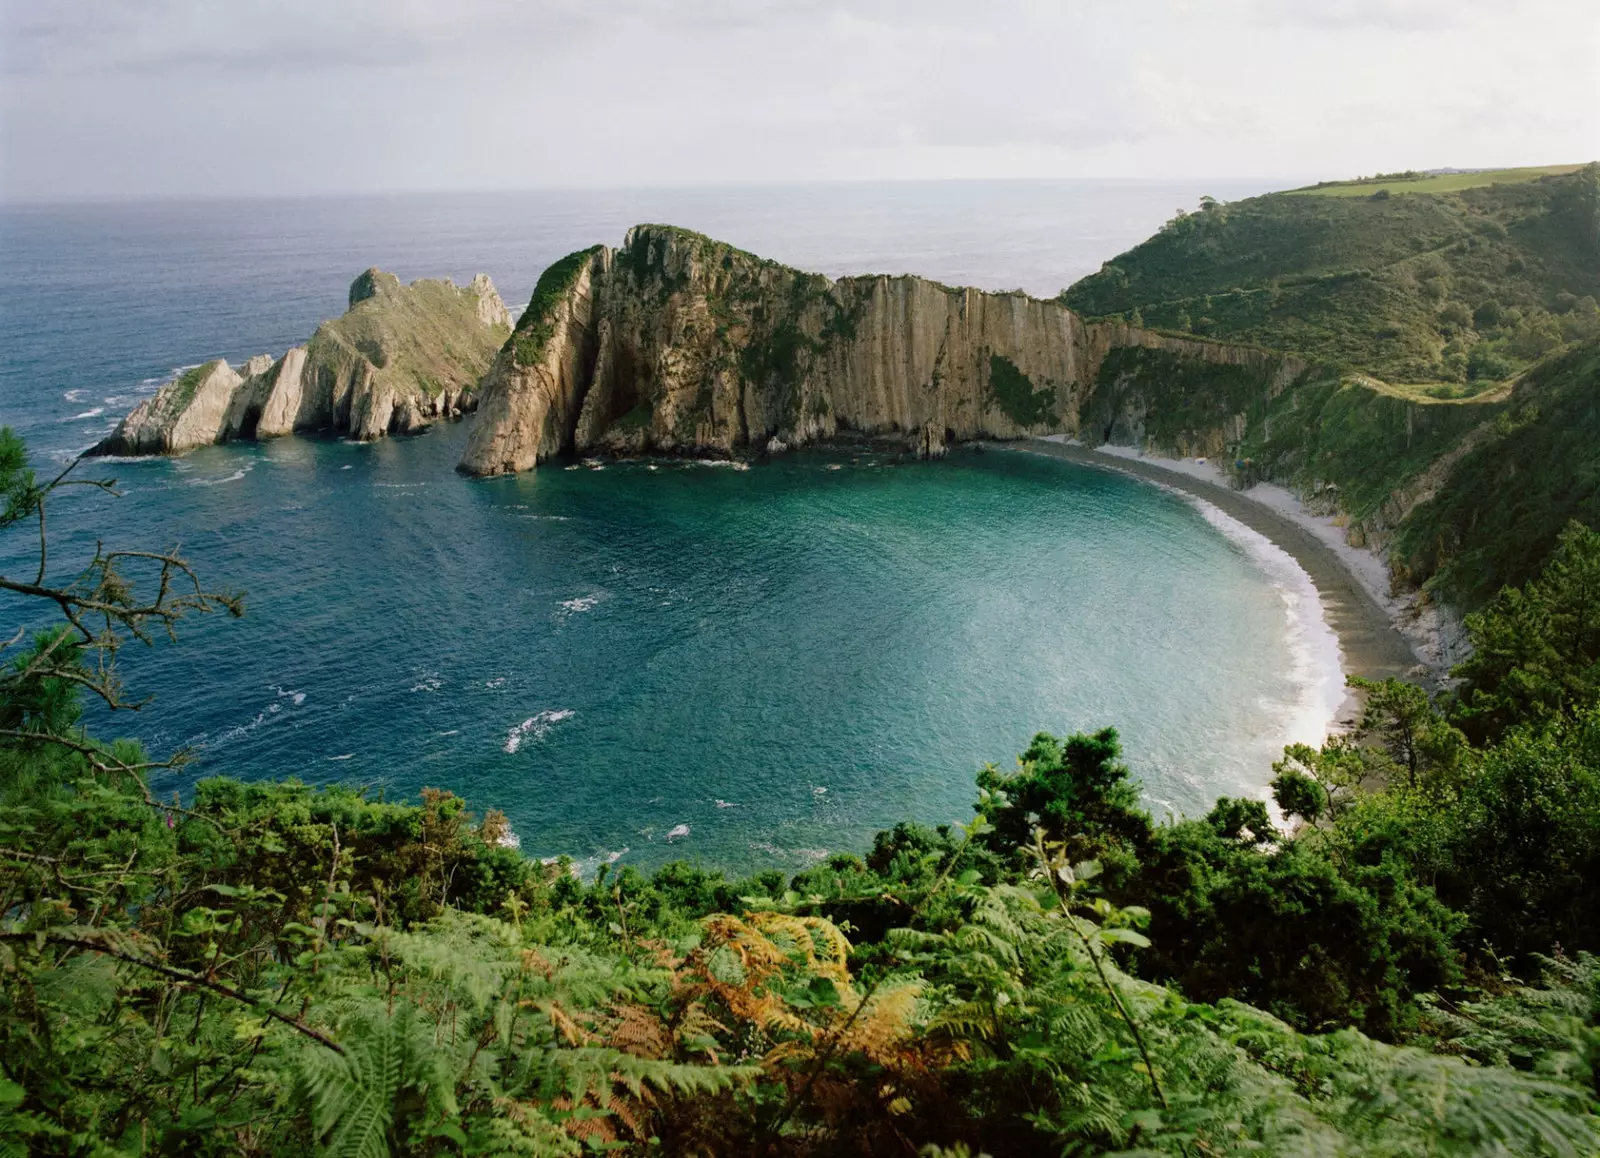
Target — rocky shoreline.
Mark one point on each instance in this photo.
(401, 357)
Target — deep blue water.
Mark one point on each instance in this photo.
(783, 659)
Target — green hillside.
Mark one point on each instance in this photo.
(1504, 503)
(1470, 285)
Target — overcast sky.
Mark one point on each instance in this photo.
(132, 97)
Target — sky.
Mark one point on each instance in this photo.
(109, 98)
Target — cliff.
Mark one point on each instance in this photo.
(400, 357)
(680, 344)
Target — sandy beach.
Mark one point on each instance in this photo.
(1379, 635)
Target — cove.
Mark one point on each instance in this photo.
(746, 668)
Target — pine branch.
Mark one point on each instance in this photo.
(187, 978)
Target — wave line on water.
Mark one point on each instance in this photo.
(1316, 657)
(535, 728)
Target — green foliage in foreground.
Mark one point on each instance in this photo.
(1428, 287)
(272, 969)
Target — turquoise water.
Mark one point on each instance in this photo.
(768, 663)
(783, 659)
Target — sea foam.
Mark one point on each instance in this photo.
(1316, 670)
(534, 728)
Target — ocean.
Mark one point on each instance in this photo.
(652, 660)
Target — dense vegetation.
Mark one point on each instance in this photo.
(1013, 392)
(274, 969)
(536, 325)
(1461, 286)
(1532, 471)
(1449, 410)
(1184, 405)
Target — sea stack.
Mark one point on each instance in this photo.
(401, 357)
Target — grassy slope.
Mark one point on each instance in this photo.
(1502, 505)
(422, 337)
(1336, 438)
(1422, 288)
(1435, 183)
(1419, 312)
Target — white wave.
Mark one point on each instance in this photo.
(534, 727)
(294, 696)
(677, 832)
(74, 395)
(346, 756)
(96, 412)
(497, 682)
(428, 682)
(725, 804)
(212, 482)
(585, 867)
(509, 839)
(1316, 669)
(817, 790)
(451, 732)
(117, 400)
(806, 856)
(580, 604)
(346, 466)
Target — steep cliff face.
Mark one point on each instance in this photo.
(680, 344)
(400, 357)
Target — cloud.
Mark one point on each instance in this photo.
(328, 95)
(1389, 15)
(296, 35)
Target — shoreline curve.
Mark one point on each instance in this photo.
(1370, 643)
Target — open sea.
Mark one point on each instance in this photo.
(652, 660)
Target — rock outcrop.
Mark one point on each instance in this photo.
(401, 357)
(680, 344)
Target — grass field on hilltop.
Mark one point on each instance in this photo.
(1436, 183)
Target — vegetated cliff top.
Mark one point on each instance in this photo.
(1436, 285)
(422, 336)
(1508, 496)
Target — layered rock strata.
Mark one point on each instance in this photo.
(400, 358)
(679, 344)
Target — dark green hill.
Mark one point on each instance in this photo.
(1467, 285)
(1507, 498)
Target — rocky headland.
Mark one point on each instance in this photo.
(679, 344)
(401, 357)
